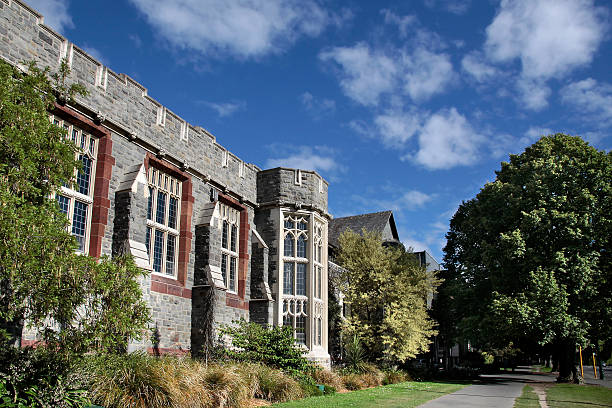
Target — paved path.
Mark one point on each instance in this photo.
(497, 391)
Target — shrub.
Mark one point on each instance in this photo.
(38, 377)
(273, 346)
(355, 356)
(395, 377)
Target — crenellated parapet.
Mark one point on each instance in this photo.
(122, 104)
(299, 189)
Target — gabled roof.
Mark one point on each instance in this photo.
(373, 222)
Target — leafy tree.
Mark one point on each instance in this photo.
(387, 293)
(529, 256)
(75, 301)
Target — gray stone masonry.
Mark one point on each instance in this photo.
(268, 230)
(279, 186)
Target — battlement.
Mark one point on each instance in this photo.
(297, 188)
(122, 101)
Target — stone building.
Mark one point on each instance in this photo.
(222, 239)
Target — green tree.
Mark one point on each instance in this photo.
(387, 293)
(75, 301)
(529, 256)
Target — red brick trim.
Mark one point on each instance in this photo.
(168, 286)
(234, 300)
(185, 236)
(104, 170)
(243, 252)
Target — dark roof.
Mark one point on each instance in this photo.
(374, 222)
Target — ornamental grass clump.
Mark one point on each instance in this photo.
(328, 378)
(128, 381)
(272, 384)
(138, 381)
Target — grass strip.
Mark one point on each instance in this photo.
(407, 394)
(528, 399)
(577, 396)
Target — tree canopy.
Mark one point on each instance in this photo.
(529, 256)
(386, 290)
(73, 300)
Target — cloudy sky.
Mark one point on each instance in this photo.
(402, 105)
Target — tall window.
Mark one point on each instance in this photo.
(318, 237)
(163, 221)
(230, 225)
(76, 196)
(295, 268)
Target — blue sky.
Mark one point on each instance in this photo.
(402, 105)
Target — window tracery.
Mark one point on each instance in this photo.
(295, 271)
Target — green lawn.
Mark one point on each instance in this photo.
(408, 394)
(576, 396)
(542, 369)
(528, 399)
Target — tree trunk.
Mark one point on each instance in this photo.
(567, 363)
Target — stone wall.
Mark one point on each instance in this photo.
(282, 186)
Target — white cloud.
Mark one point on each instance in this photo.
(447, 140)
(317, 107)
(475, 65)
(366, 74)
(55, 13)
(534, 133)
(549, 37)
(413, 199)
(533, 94)
(226, 108)
(590, 97)
(402, 22)
(242, 28)
(319, 158)
(458, 7)
(396, 128)
(426, 73)
(400, 201)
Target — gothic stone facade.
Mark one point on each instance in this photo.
(222, 239)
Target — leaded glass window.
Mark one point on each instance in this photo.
(295, 275)
(230, 225)
(76, 196)
(163, 208)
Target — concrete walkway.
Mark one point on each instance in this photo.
(498, 391)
